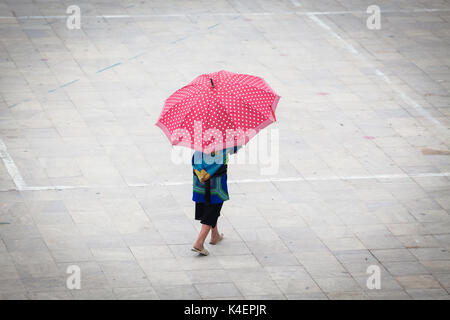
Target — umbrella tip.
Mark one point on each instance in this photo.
(212, 82)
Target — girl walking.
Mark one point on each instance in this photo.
(210, 190)
(222, 101)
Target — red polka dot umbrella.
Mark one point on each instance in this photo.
(218, 110)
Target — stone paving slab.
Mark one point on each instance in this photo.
(87, 180)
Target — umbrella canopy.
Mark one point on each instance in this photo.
(218, 110)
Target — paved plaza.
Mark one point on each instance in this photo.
(361, 150)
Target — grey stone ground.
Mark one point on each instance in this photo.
(86, 178)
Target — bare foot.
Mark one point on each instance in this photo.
(216, 238)
(198, 246)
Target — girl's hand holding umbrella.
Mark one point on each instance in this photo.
(202, 175)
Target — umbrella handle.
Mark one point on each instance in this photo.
(273, 113)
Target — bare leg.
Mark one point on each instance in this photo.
(215, 236)
(202, 236)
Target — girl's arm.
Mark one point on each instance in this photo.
(205, 171)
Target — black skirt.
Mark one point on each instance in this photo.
(208, 213)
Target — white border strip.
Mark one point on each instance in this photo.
(11, 167)
(295, 3)
(334, 34)
(407, 99)
(243, 181)
(232, 14)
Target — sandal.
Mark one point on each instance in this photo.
(203, 252)
(220, 239)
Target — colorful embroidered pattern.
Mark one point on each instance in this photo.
(218, 191)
